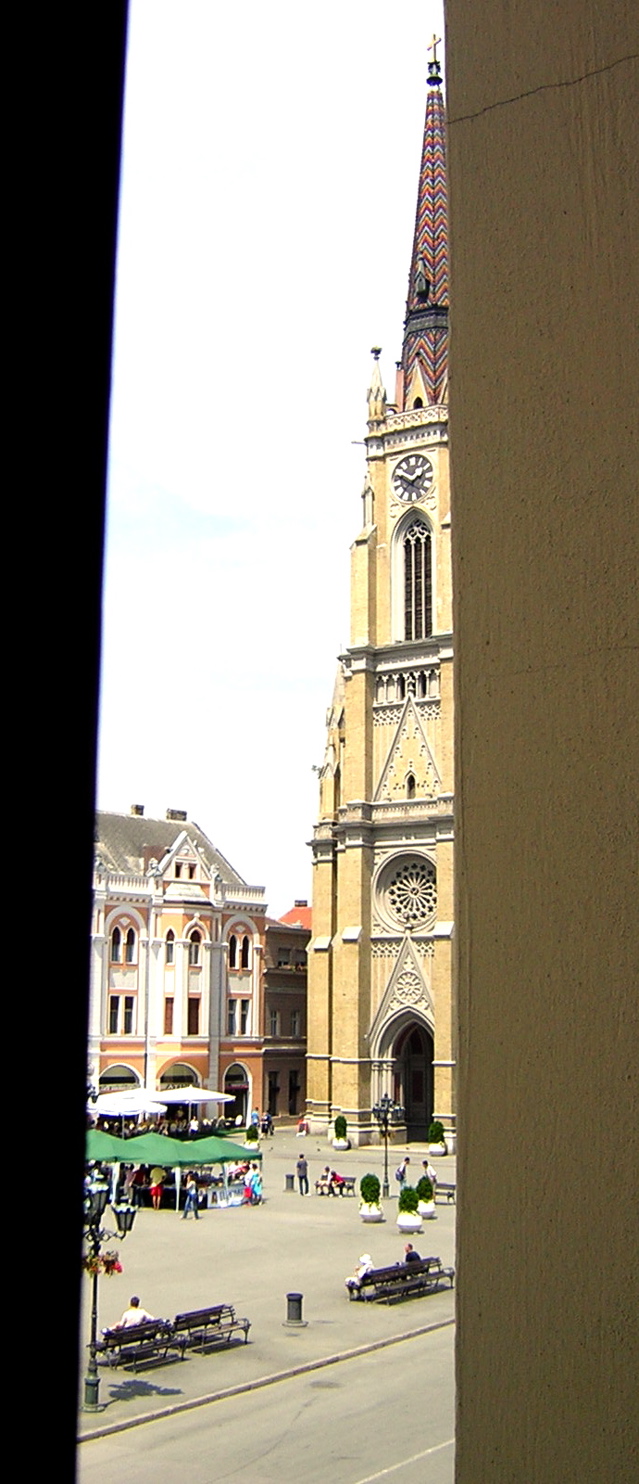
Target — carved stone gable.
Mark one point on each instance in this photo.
(406, 989)
(410, 770)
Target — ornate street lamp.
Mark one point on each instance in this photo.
(386, 1112)
(95, 1203)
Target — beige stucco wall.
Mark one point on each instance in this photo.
(543, 107)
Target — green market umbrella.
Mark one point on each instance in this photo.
(105, 1147)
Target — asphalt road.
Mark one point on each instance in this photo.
(388, 1415)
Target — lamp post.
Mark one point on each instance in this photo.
(95, 1203)
(386, 1111)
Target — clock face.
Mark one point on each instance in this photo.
(413, 477)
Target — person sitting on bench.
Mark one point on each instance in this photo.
(365, 1265)
(135, 1314)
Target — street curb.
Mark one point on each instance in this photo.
(298, 1370)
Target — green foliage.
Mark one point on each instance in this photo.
(425, 1189)
(436, 1132)
(340, 1126)
(252, 1135)
(408, 1200)
(369, 1189)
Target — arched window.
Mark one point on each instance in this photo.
(232, 951)
(246, 953)
(418, 601)
(194, 948)
(116, 946)
(129, 947)
(169, 948)
(410, 786)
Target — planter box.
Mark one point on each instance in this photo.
(409, 1222)
(371, 1213)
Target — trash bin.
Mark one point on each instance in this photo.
(289, 1182)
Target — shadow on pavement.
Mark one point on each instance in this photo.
(129, 1391)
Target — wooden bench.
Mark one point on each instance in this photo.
(403, 1279)
(443, 1188)
(149, 1341)
(201, 1328)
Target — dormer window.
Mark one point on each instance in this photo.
(178, 870)
(191, 873)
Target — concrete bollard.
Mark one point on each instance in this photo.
(294, 1319)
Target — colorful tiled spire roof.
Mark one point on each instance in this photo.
(425, 350)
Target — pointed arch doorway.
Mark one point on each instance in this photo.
(413, 1081)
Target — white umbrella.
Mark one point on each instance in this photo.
(127, 1104)
(192, 1095)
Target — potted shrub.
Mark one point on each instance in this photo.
(252, 1136)
(340, 1140)
(436, 1140)
(370, 1208)
(426, 1198)
(408, 1217)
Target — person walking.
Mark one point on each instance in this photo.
(400, 1173)
(190, 1203)
(302, 1174)
(430, 1174)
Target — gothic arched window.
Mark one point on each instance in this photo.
(129, 947)
(194, 948)
(169, 946)
(116, 945)
(418, 595)
(246, 953)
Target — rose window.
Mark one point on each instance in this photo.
(412, 893)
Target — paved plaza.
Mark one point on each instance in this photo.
(252, 1257)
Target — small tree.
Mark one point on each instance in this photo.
(408, 1200)
(252, 1135)
(369, 1188)
(436, 1132)
(425, 1189)
(340, 1126)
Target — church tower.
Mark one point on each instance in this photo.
(380, 1016)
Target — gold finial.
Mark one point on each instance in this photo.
(436, 41)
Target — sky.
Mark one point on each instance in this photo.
(269, 182)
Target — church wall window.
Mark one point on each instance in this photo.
(410, 786)
(114, 1014)
(244, 1017)
(129, 1003)
(169, 947)
(246, 953)
(194, 949)
(418, 601)
(129, 947)
(231, 1017)
(232, 951)
(116, 946)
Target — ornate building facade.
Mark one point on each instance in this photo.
(380, 968)
(177, 962)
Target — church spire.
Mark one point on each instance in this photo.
(423, 369)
